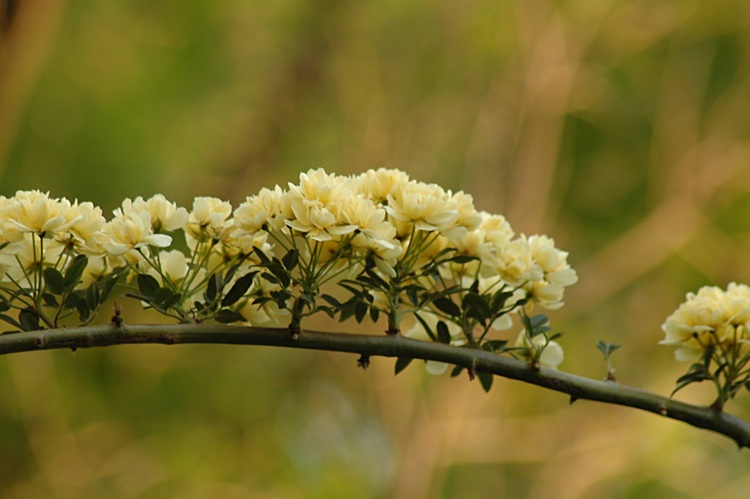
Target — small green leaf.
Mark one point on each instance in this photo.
(240, 287)
(607, 348)
(50, 300)
(332, 301)
(10, 320)
(28, 319)
(476, 307)
(261, 256)
(147, 285)
(374, 314)
(360, 311)
(291, 259)
(461, 259)
(71, 301)
(447, 306)
(495, 345)
(402, 363)
(412, 292)
(83, 309)
(212, 288)
(54, 280)
(75, 271)
(226, 316)
(456, 371)
(499, 299)
(165, 298)
(536, 325)
(486, 380)
(443, 334)
(426, 327)
(92, 296)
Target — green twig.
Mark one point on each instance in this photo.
(577, 387)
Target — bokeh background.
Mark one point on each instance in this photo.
(621, 128)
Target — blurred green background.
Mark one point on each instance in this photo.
(620, 128)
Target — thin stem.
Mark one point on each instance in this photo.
(577, 387)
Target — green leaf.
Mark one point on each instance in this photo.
(461, 259)
(329, 311)
(106, 286)
(476, 307)
(71, 301)
(261, 256)
(456, 371)
(426, 327)
(499, 299)
(54, 280)
(332, 301)
(10, 320)
(291, 259)
(165, 298)
(447, 306)
(147, 285)
(486, 380)
(75, 271)
(443, 334)
(360, 311)
(50, 300)
(374, 314)
(495, 345)
(212, 288)
(402, 363)
(226, 316)
(84, 312)
(28, 319)
(536, 325)
(607, 348)
(412, 292)
(270, 278)
(92, 296)
(240, 287)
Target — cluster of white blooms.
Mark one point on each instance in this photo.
(336, 224)
(711, 318)
(37, 230)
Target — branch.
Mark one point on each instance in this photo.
(577, 387)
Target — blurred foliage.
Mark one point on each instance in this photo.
(622, 128)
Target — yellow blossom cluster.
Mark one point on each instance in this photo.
(336, 226)
(711, 318)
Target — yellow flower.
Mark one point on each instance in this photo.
(129, 231)
(23, 259)
(552, 355)
(210, 216)
(420, 206)
(259, 210)
(516, 264)
(316, 221)
(377, 185)
(35, 212)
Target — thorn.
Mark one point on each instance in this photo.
(363, 361)
(295, 331)
(536, 366)
(663, 410)
(611, 375)
(116, 315)
(573, 399)
(392, 331)
(73, 350)
(472, 370)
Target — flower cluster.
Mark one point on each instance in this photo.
(393, 245)
(710, 330)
